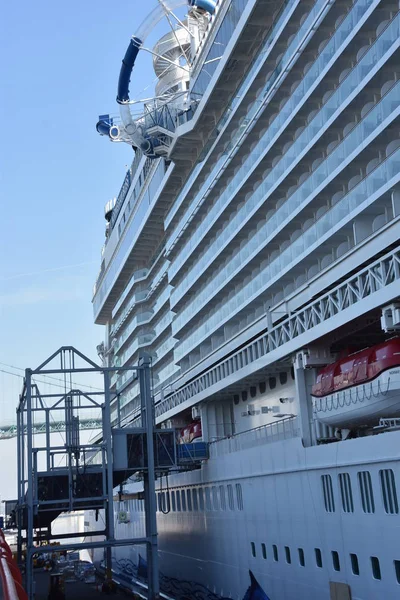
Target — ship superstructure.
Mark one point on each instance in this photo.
(253, 246)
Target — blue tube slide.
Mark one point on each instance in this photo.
(104, 124)
(126, 69)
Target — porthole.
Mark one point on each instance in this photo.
(253, 391)
(287, 554)
(354, 564)
(264, 551)
(318, 557)
(335, 560)
(282, 377)
(262, 387)
(244, 395)
(376, 568)
(236, 399)
(292, 373)
(275, 552)
(302, 561)
(272, 383)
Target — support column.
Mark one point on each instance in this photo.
(107, 438)
(148, 422)
(304, 379)
(30, 481)
(204, 422)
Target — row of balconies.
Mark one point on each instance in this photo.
(285, 211)
(268, 88)
(364, 210)
(313, 126)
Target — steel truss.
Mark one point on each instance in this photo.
(369, 288)
(45, 489)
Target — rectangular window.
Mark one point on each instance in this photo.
(327, 489)
(301, 557)
(230, 498)
(208, 498)
(201, 499)
(318, 557)
(366, 491)
(335, 560)
(173, 501)
(376, 568)
(275, 552)
(397, 569)
(389, 493)
(195, 503)
(189, 499)
(346, 492)
(253, 549)
(222, 497)
(159, 501)
(264, 551)
(354, 564)
(215, 497)
(183, 499)
(287, 554)
(178, 501)
(239, 496)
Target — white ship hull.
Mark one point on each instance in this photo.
(284, 505)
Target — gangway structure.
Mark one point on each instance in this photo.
(57, 477)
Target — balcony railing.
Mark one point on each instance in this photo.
(285, 428)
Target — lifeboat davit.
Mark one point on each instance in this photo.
(361, 388)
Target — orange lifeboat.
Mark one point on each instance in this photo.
(360, 388)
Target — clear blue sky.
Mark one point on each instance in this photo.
(58, 72)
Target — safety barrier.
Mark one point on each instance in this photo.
(11, 578)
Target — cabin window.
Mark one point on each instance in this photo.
(173, 501)
(397, 569)
(327, 489)
(346, 492)
(215, 497)
(264, 551)
(263, 387)
(376, 568)
(236, 398)
(183, 499)
(253, 549)
(231, 502)
(282, 377)
(253, 391)
(335, 560)
(222, 497)
(292, 372)
(318, 557)
(272, 383)
(275, 552)
(354, 564)
(189, 499)
(287, 554)
(302, 561)
(201, 499)
(389, 494)
(178, 501)
(244, 395)
(195, 503)
(366, 491)
(208, 498)
(239, 496)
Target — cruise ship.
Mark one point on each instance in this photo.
(253, 252)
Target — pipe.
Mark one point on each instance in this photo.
(10, 574)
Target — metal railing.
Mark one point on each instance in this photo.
(285, 428)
